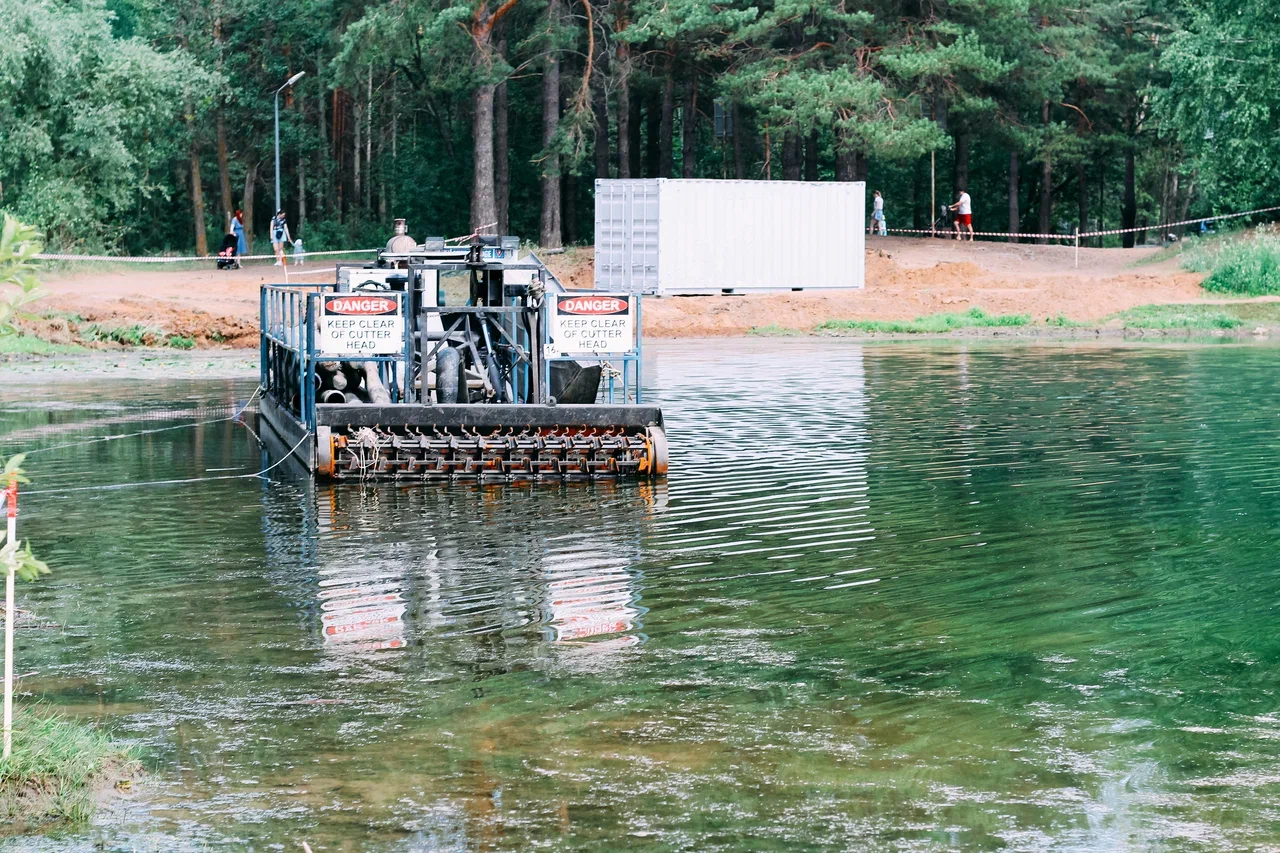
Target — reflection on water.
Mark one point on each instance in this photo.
(890, 598)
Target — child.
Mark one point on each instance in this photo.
(298, 254)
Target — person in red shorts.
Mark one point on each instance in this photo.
(964, 215)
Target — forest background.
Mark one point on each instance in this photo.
(138, 126)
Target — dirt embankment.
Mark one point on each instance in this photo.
(906, 278)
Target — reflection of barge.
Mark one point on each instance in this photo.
(378, 377)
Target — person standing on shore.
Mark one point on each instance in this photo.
(877, 217)
(964, 215)
(279, 236)
(237, 228)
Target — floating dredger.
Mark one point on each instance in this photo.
(468, 362)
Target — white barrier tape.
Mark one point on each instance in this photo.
(951, 232)
(138, 259)
(1183, 222)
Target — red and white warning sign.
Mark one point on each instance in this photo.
(362, 324)
(592, 324)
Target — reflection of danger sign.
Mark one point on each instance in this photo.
(362, 324)
(593, 324)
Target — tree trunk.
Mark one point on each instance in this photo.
(550, 233)
(484, 200)
(484, 204)
(845, 158)
(501, 154)
(224, 175)
(688, 130)
(250, 182)
(623, 110)
(322, 182)
(666, 134)
(861, 167)
(302, 197)
(961, 175)
(653, 133)
(1046, 179)
(1082, 196)
(739, 163)
(600, 108)
(1014, 217)
(811, 156)
(1129, 210)
(636, 142)
(570, 215)
(357, 185)
(791, 157)
(197, 203)
(368, 143)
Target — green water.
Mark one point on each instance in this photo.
(985, 598)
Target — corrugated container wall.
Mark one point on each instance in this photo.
(667, 236)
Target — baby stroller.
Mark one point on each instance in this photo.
(227, 259)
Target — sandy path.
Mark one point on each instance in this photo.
(906, 277)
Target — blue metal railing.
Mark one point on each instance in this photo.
(288, 350)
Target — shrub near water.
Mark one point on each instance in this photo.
(1245, 267)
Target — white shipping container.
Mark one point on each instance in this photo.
(671, 236)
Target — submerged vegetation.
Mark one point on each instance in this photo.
(58, 768)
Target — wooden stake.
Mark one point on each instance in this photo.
(11, 500)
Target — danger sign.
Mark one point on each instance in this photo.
(593, 324)
(362, 324)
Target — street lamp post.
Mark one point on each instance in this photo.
(294, 79)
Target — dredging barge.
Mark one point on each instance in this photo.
(377, 376)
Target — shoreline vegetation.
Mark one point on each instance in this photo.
(59, 772)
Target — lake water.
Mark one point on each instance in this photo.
(891, 598)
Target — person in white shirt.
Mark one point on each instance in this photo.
(877, 216)
(964, 215)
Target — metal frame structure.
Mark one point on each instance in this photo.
(504, 338)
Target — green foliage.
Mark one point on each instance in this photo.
(181, 342)
(1223, 99)
(19, 244)
(25, 563)
(87, 120)
(55, 768)
(135, 335)
(109, 108)
(1245, 266)
(932, 324)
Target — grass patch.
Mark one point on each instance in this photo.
(1245, 267)
(181, 342)
(932, 324)
(57, 768)
(1231, 316)
(131, 336)
(27, 345)
(773, 330)
(1062, 321)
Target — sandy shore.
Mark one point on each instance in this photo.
(906, 278)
